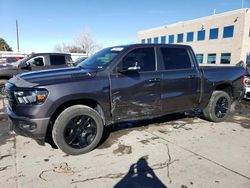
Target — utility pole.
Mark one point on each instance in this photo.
(17, 36)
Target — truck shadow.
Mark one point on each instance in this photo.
(114, 131)
(140, 174)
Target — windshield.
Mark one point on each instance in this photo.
(101, 59)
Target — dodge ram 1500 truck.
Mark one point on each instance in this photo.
(116, 84)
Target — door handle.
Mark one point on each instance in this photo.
(155, 80)
(191, 76)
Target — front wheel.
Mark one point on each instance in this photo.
(77, 130)
(2, 87)
(218, 107)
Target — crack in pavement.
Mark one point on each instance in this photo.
(4, 156)
(149, 169)
(15, 156)
(210, 160)
(119, 175)
(4, 168)
(63, 168)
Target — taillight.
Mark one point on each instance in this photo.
(243, 78)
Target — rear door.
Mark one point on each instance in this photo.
(180, 79)
(136, 94)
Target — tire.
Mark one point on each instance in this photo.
(2, 87)
(77, 130)
(218, 107)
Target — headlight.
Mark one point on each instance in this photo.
(31, 96)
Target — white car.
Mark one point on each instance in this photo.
(247, 86)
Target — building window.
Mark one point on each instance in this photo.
(163, 39)
(143, 41)
(199, 58)
(156, 40)
(149, 40)
(180, 38)
(201, 35)
(190, 36)
(171, 39)
(211, 59)
(213, 33)
(228, 31)
(225, 58)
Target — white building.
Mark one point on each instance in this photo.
(220, 39)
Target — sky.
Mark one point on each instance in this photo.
(43, 24)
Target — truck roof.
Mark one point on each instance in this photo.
(152, 45)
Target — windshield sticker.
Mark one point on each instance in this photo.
(117, 49)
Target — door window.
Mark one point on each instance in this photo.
(57, 60)
(175, 58)
(36, 61)
(142, 57)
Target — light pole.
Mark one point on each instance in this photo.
(17, 36)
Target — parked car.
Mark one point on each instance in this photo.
(123, 83)
(247, 85)
(33, 62)
(12, 59)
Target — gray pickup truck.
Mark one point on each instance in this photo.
(121, 83)
(33, 62)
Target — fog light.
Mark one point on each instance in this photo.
(27, 127)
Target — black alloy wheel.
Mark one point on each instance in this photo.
(221, 107)
(80, 131)
(218, 108)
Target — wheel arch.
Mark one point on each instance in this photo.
(227, 87)
(88, 102)
(5, 77)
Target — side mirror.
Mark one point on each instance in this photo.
(134, 68)
(24, 65)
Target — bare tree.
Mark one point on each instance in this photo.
(83, 43)
(68, 48)
(86, 42)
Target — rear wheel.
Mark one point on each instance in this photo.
(77, 130)
(218, 107)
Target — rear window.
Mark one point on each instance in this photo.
(175, 58)
(57, 60)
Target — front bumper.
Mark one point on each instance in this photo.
(247, 93)
(33, 128)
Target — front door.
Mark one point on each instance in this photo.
(135, 94)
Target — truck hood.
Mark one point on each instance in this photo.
(53, 76)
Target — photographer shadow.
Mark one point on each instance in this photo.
(140, 175)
